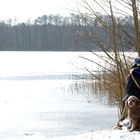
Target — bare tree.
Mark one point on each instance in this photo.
(135, 9)
(116, 36)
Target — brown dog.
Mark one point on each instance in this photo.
(133, 104)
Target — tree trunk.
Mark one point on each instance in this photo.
(136, 25)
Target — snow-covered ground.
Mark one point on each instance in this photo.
(97, 135)
(103, 135)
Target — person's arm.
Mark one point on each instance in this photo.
(129, 84)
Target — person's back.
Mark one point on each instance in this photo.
(133, 82)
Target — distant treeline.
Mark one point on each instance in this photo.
(55, 33)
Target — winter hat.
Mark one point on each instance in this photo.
(136, 62)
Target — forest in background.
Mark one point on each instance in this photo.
(58, 33)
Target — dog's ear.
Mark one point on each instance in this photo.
(126, 103)
(138, 103)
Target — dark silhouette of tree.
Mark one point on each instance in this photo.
(58, 33)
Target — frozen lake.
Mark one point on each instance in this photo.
(32, 102)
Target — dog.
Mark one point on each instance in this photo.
(133, 105)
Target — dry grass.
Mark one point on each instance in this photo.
(110, 85)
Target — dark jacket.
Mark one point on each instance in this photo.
(131, 87)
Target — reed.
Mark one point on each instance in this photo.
(111, 81)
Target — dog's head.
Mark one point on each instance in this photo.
(133, 102)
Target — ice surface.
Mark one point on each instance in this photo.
(44, 109)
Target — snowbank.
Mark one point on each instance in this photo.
(97, 135)
(103, 135)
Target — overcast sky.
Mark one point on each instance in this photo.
(31, 9)
(25, 9)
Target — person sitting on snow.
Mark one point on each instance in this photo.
(133, 81)
(132, 87)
